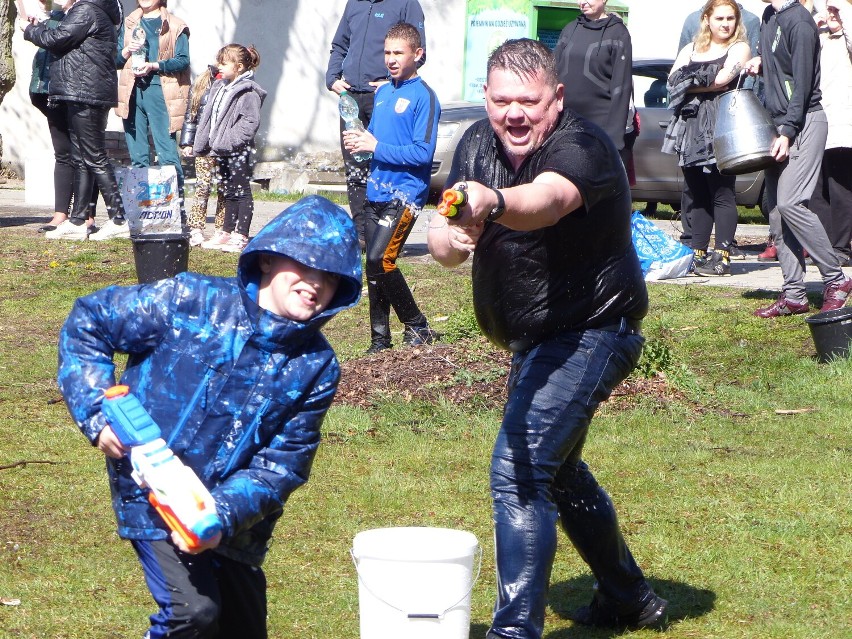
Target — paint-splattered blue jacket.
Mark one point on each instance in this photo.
(238, 392)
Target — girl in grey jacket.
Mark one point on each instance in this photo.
(226, 130)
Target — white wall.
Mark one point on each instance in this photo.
(293, 38)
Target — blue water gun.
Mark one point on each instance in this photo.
(175, 491)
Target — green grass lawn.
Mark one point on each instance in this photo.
(732, 483)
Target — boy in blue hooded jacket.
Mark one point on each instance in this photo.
(238, 376)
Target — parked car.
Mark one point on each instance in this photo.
(658, 176)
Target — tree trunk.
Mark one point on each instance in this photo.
(8, 13)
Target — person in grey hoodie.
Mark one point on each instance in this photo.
(789, 62)
(594, 60)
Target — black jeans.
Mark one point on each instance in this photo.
(235, 181)
(358, 172)
(86, 125)
(203, 596)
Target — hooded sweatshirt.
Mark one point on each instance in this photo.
(238, 392)
(357, 49)
(594, 60)
(789, 51)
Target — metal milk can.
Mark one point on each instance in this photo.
(744, 133)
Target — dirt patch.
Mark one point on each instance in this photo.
(458, 374)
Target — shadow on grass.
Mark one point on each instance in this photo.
(685, 601)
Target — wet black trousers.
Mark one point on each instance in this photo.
(203, 596)
(86, 126)
(387, 228)
(358, 172)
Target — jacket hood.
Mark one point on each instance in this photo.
(111, 7)
(609, 20)
(317, 233)
(245, 81)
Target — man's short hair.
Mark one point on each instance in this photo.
(526, 58)
(406, 32)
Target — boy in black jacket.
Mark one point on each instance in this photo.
(789, 60)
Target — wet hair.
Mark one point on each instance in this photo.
(406, 32)
(703, 37)
(246, 56)
(525, 58)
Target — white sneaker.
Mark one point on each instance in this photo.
(196, 237)
(219, 239)
(111, 230)
(236, 244)
(67, 230)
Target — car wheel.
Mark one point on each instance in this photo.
(764, 202)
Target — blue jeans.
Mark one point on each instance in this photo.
(538, 476)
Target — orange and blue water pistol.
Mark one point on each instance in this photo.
(175, 491)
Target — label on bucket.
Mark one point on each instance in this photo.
(151, 199)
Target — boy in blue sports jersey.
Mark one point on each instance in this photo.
(402, 136)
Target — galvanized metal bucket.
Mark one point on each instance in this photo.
(744, 133)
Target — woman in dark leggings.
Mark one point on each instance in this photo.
(83, 81)
(709, 65)
(57, 124)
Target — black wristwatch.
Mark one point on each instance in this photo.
(498, 210)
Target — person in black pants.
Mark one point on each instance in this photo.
(83, 79)
(57, 124)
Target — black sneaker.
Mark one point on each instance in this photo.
(699, 259)
(735, 251)
(419, 336)
(377, 347)
(651, 615)
(717, 263)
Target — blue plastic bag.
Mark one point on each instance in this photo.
(661, 256)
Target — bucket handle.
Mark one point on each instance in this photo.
(737, 89)
(420, 615)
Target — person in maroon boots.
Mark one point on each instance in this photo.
(789, 60)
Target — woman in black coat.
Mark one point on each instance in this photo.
(83, 79)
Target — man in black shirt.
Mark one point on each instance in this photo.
(556, 281)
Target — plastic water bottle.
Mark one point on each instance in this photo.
(348, 109)
(138, 58)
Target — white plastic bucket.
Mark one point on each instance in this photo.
(415, 583)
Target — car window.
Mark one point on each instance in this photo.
(649, 87)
